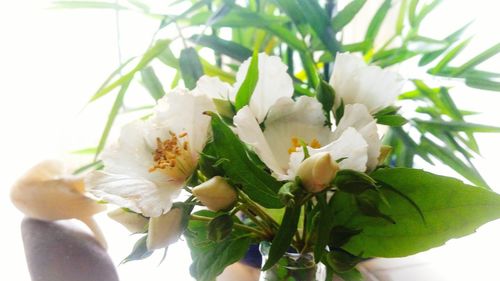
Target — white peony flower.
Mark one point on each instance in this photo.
(148, 166)
(273, 83)
(356, 82)
(291, 124)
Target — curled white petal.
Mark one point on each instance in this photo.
(273, 83)
(214, 88)
(358, 117)
(356, 82)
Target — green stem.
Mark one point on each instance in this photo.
(236, 225)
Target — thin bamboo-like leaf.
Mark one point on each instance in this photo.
(458, 126)
(344, 17)
(152, 83)
(228, 48)
(111, 117)
(191, 68)
(376, 23)
(449, 56)
(478, 59)
(483, 84)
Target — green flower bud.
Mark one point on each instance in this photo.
(317, 172)
(216, 194)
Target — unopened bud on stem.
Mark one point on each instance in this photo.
(216, 194)
(165, 229)
(317, 172)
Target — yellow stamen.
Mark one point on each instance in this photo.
(173, 157)
(314, 143)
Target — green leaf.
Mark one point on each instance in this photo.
(483, 84)
(449, 57)
(344, 17)
(324, 226)
(228, 48)
(152, 83)
(458, 126)
(392, 120)
(478, 59)
(282, 239)
(112, 116)
(451, 209)
(220, 227)
(191, 68)
(96, 165)
(210, 258)
(292, 9)
(86, 5)
(376, 23)
(248, 86)
(140, 251)
(326, 96)
(155, 51)
(256, 183)
(320, 23)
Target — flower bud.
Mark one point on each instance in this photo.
(317, 172)
(133, 222)
(165, 229)
(216, 194)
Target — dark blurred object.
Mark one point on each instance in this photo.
(59, 251)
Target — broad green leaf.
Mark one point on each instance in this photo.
(324, 226)
(152, 83)
(344, 17)
(112, 116)
(392, 120)
(478, 59)
(283, 239)
(246, 89)
(326, 96)
(320, 23)
(228, 48)
(376, 23)
(451, 209)
(86, 5)
(256, 183)
(191, 68)
(211, 258)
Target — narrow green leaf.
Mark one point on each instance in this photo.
(320, 23)
(282, 240)
(96, 165)
(392, 120)
(256, 183)
(483, 84)
(451, 209)
(310, 69)
(449, 57)
(344, 17)
(376, 23)
(292, 9)
(246, 89)
(152, 83)
(478, 59)
(86, 5)
(460, 126)
(228, 48)
(412, 13)
(192, 8)
(148, 56)
(324, 226)
(112, 116)
(426, 9)
(401, 16)
(191, 68)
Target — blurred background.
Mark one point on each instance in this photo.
(53, 60)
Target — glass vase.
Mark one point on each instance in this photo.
(292, 267)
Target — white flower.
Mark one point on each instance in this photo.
(291, 124)
(146, 169)
(356, 82)
(273, 83)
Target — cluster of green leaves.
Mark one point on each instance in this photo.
(304, 30)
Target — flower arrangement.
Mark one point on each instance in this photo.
(297, 145)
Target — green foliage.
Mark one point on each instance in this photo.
(451, 209)
(140, 251)
(191, 68)
(248, 86)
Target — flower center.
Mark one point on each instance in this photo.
(172, 156)
(296, 143)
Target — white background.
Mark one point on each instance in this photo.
(51, 61)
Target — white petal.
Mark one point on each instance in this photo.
(302, 119)
(181, 111)
(137, 194)
(350, 145)
(356, 82)
(357, 116)
(250, 132)
(214, 88)
(273, 83)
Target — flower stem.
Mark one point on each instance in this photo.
(236, 225)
